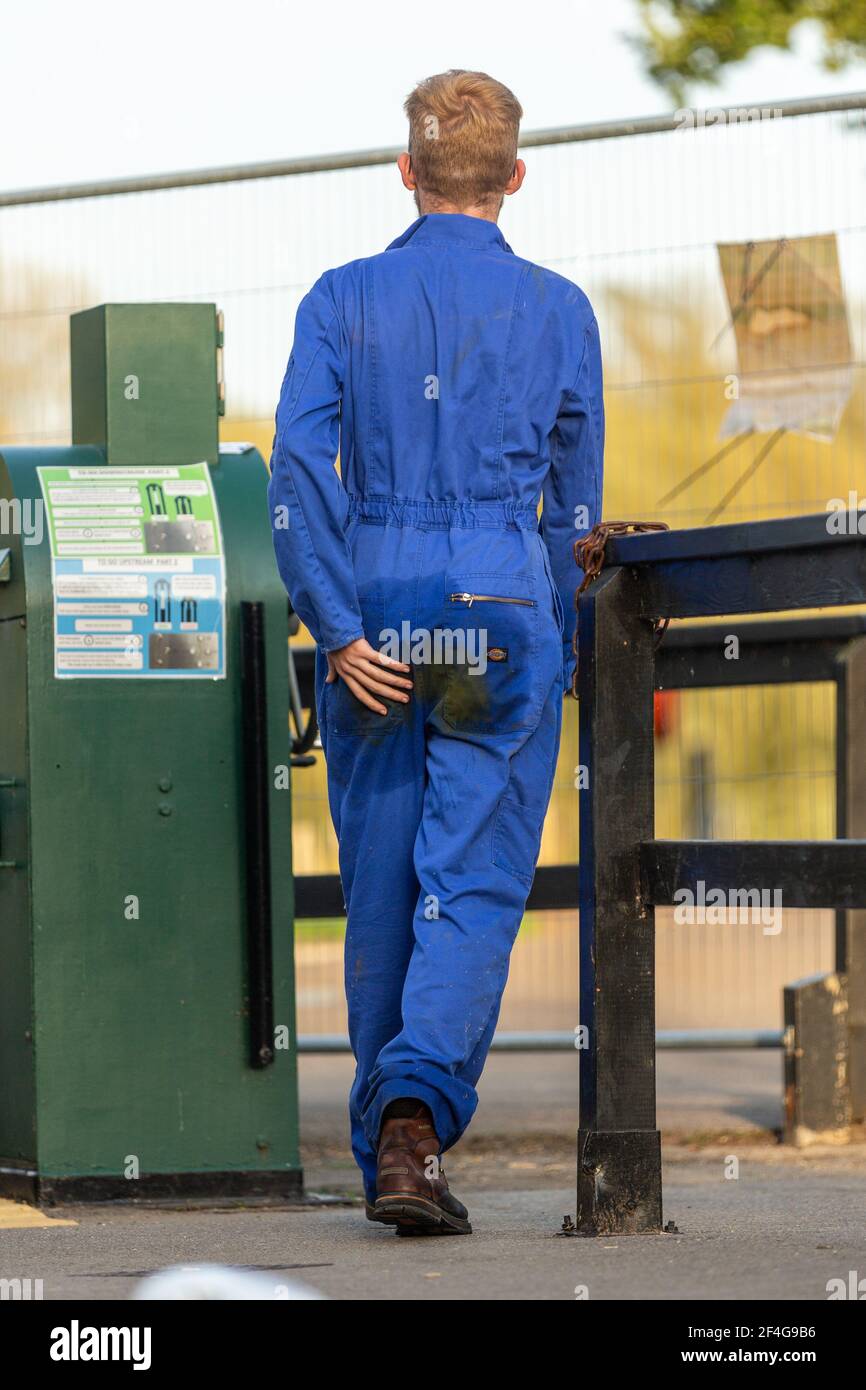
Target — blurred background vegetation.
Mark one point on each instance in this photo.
(687, 42)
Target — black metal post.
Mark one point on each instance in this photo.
(851, 823)
(258, 835)
(619, 1148)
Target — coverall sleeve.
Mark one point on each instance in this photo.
(307, 499)
(573, 488)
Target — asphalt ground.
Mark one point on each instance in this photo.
(754, 1220)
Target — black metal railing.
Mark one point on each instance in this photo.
(625, 872)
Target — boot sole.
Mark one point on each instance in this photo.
(416, 1216)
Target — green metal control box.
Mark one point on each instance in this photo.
(146, 383)
(147, 1023)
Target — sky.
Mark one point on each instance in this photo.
(96, 90)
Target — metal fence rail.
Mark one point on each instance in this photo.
(690, 1040)
(387, 154)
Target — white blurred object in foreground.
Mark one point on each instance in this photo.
(215, 1282)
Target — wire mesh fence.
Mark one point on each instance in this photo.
(724, 255)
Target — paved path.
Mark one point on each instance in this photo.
(789, 1222)
(782, 1229)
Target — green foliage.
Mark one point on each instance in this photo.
(690, 41)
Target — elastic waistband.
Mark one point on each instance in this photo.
(443, 516)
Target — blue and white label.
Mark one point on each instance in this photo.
(138, 572)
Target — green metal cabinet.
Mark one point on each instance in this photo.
(126, 1066)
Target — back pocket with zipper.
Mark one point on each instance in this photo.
(487, 645)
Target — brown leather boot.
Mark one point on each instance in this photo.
(412, 1193)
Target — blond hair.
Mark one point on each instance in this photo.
(463, 129)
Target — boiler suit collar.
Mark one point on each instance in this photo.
(453, 227)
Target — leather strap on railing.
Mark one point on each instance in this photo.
(589, 555)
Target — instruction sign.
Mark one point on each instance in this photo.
(138, 572)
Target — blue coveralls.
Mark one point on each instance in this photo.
(460, 384)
